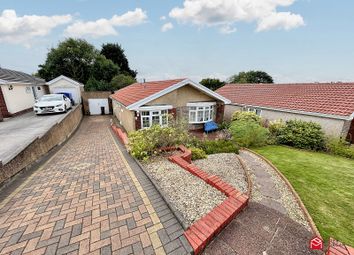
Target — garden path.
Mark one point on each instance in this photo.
(271, 224)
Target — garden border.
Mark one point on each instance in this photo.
(201, 232)
(293, 191)
(210, 225)
(247, 174)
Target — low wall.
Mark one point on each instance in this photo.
(41, 146)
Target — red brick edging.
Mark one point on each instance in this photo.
(121, 134)
(206, 228)
(337, 248)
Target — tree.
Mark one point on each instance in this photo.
(212, 84)
(251, 77)
(104, 69)
(73, 58)
(96, 85)
(115, 52)
(121, 80)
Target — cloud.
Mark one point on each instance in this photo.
(21, 29)
(227, 29)
(223, 14)
(163, 18)
(285, 20)
(166, 27)
(105, 27)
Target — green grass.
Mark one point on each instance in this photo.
(325, 184)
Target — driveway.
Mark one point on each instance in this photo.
(90, 197)
(18, 132)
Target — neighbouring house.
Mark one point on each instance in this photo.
(18, 92)
(142, 105)
(63, 84)
(329, 104)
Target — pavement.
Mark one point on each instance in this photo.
(90, 197)
(18, 132)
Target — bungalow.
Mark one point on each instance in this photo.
(142, 105)
(18, 92)
(329, 104)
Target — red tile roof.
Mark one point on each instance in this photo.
(138, 91)
(325, 98)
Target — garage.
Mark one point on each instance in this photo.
(98, 106)
(63, 84)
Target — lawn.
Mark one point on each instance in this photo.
(325, 184)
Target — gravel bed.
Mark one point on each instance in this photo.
(287, 198)
(227, 167)
(191, 196)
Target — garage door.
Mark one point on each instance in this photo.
(73, 91)
(98, 106)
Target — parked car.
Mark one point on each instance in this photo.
(69, 95)
(52, 103)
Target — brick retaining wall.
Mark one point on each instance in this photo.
(41, 146)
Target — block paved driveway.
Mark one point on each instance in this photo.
(89, 198)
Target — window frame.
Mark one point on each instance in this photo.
(205, 110)
(148, 113)
(252, 109)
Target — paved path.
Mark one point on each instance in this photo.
(18, 132)
(90, 198)
(264, 227)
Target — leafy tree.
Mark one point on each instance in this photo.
(115, 52)
(121, 80)
(251, 77)
(97, 85)
(73, 58)
(212, 84)
(104, 69)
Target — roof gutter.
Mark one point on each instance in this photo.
(323, 115)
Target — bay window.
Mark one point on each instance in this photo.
(201, 112)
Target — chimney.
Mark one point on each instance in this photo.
(142, 82)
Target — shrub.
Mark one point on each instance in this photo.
(146, 142)
(249, 133)
(219, 146)
(275, 128)
(338, 147)
(197, 153)
(224, 125)
(302, 134)
(246, 116)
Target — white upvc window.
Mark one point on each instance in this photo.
(252, 109)
(154, 117)
(201, 112)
